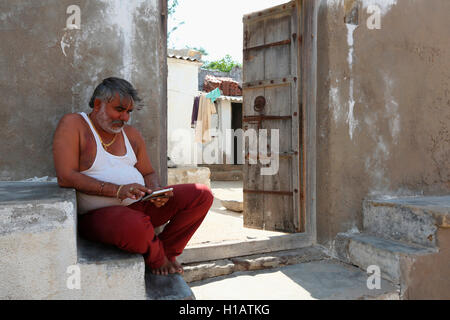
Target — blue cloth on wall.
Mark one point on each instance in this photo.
(213, 95)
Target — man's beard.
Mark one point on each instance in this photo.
(105, 122)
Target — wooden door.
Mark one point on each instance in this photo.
(270, 102)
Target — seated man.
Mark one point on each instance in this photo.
(106, 161)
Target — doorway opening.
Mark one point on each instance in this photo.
(256, 212)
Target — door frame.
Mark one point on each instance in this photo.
(307, 11)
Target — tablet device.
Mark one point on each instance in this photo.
(156, 194)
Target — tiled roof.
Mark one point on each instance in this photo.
(228, 86)
(231, 98)
(182, 58)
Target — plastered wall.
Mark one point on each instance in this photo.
(54, 53)
(383, 105)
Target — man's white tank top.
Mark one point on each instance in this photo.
(107, 167)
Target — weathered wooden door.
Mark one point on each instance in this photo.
(270, 107)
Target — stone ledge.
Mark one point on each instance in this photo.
(394, 258)
(35, 206)
(200, 271)
(170, 287)
(37, 239)
(181, 175)
(109, 273)
(233, 205)
(438, 207)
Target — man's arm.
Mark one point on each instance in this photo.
(66, 155)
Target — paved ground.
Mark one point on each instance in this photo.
(325, 279)
(224, 225)
(318, 280)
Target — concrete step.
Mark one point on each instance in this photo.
(37, 239)
(394, 258)
(315, 280)
(170, 287)
(408, 219)
(109, 273)
(42, 257)
(210, 269)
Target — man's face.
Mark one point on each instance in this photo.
(113, 115)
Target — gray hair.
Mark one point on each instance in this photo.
(107, 90)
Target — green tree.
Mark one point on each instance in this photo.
(225, 64)
(171, 8)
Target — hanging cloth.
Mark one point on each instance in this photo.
(205, 110)
(213, 95)
(195, 111)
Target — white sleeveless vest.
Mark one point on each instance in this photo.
(109, 168)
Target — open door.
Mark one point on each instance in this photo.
(271, 102)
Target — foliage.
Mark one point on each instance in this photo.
(225, 64)
(171, 8)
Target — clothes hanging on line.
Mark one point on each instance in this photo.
(203, 125)
(213, 95)
(195, 111)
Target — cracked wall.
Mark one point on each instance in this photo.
(50, 68)
(383, 106)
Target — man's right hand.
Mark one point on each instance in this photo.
(133, 191)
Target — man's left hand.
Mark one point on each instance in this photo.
(159, 202)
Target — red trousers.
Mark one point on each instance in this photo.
(131, 228)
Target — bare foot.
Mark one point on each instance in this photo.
(177, 266)
(166, 268)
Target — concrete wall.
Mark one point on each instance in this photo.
(48, 69)
(214, 152)
(429, 277)
(182, 82)
(383, 106)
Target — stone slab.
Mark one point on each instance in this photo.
(182, 175)
(412, 219)
(239, 248)
(37, 239)
(170, 287)
(109, 273)
(210, 269)
(318, 280)
(35, 206)
(233, 205)
(392, 257)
